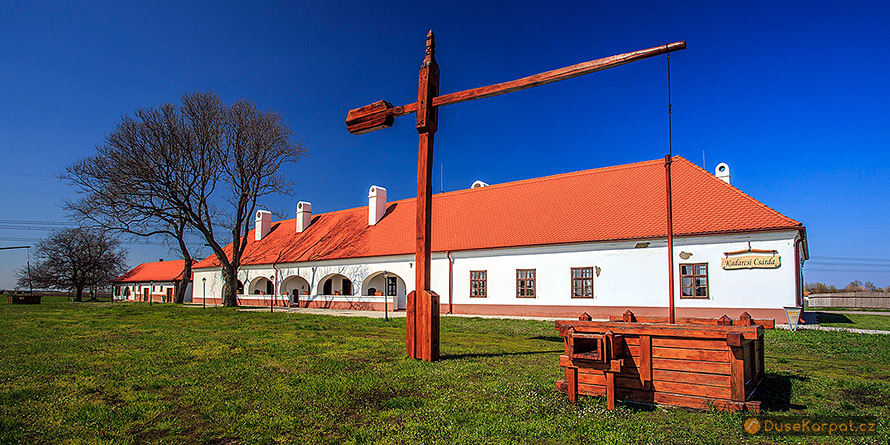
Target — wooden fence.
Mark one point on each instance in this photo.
(851, 300)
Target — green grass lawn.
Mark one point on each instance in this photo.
(130, 373)
(858, 321)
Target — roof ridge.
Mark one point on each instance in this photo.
(332, 212)
(162, 261)
(566, 175)
(743, 194)
(550, 177)
(634, 188)
(502, 185)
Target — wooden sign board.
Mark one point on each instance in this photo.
(751, 262)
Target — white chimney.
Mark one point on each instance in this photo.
(263, 224)
(478, 184)
(304, 215)
(376, 204)
(722, 172)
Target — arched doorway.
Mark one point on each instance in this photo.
(261, 285)
(294, 287)
(388, 285)
(336, 285)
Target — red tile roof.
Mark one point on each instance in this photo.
(612, 203)
(157, 271)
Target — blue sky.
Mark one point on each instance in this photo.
(792, 95)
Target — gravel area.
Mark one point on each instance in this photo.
(831, 328)
(853, 312)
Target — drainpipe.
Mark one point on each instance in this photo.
(797, 293)
(450, 282)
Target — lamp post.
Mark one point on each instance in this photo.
(204, 293)
(385, 296)
(272, 294)
(31, 284)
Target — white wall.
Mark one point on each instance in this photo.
(159, 288)
(628, 276)
(315, 273)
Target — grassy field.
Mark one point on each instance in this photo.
(130, 373)
(857, 321)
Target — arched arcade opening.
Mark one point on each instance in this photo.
(335, 284)
(261, 285)
(294, 287)
(386, 284)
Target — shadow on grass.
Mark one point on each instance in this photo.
(823, 317)
(553, 338)
(638, 407)
(495, 354)
(775, 392)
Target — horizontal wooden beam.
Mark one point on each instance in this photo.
(402, 110)
(556, 75)
(380, 114)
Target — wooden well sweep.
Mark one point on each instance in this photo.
(686, 365)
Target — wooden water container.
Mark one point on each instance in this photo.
(685, 365)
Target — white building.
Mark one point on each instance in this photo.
(155, 281)
(592, 241)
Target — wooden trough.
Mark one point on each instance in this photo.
(716, 364)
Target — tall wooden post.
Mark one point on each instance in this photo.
(422, 305)
(423, 308)
(670, 236)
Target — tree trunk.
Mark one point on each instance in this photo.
(187, 267)
(230, 289)
(78, 294)
(184, 282)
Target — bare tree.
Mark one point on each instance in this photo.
(115, 209)
(75, 259)
(202, 162)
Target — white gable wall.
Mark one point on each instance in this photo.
(158, 289)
